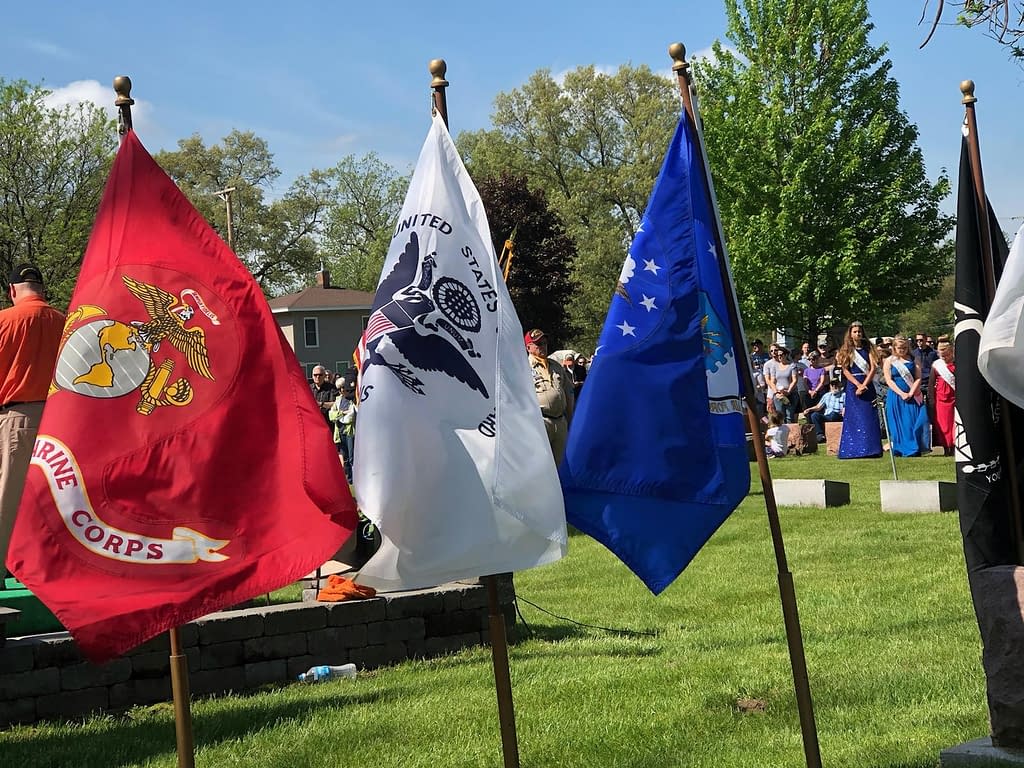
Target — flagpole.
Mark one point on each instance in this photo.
(496, 619)
(787, 592)
(988, 269)
(178, 662)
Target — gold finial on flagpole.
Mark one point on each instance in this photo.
(438, 68)
(123, 102)
(967, 89)
(678, 53)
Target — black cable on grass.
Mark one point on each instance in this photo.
(627, 632)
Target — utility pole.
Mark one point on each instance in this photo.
(225, 195)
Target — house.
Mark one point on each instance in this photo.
(323, 323)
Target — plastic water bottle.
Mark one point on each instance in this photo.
(326, 672)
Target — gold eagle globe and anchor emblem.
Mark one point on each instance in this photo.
(103, 357)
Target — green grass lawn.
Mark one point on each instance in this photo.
(701, 679)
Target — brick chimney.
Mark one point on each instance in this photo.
(323, 277)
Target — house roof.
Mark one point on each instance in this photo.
(317, 298)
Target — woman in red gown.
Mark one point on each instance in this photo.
(942, 396)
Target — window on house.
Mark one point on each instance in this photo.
(366, 321)
(312, 331)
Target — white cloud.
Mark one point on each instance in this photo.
(102, 96)
(47, 49)
(599, 69)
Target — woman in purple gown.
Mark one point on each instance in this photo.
(862, 437)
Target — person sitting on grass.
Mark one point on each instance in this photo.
(776, 438)
(829, 408)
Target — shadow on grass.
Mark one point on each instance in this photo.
(148, 733)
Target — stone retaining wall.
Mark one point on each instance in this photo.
(45, 676)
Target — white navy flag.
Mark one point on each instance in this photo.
(1001, 352)
(452, 460)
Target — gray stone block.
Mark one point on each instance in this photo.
(456, 623)
(136, 692)
(88, 675)
(36, 682)
(355, 612)
(223, 627)
(293, 617)
(16, 656)
(451, 598)
(264, 672)
(17, 711)
(418, 603)
(72, 704)
(56, 651)
(309, 595)
(299, 664)
(209, 681)
(373, 656)
(917, 495)
(979, 753)
(220, 655)
(158, 663)
(276, 647)
(188, 635)
(811, 493)
(335, 640)
(381, 632)
(474, 597)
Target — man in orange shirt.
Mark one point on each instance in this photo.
(30, 333)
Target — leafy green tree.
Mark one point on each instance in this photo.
(53, 165)
(366, 199)
(276, 240)
(594, 143)
(934, 315)
(827, 210)
(538, 279)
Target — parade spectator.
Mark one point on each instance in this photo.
(30, 333)
(758, 358)
(816, 377)
(343, 415)
(554, 392)
(781, 376)
(776, 437)
(924, 355)
(324, 391)
(829, 408)
(942, 396)
(905, 412)
(862, 436)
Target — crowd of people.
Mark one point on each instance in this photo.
(911, 386)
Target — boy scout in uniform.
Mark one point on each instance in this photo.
(554, 392)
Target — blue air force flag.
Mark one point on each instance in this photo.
(452, 460)
(656, 457)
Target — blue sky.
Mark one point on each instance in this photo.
(320, 80)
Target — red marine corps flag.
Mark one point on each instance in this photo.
(181, 464)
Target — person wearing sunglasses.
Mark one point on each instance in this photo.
(924, 355)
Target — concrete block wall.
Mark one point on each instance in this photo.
(46, 677)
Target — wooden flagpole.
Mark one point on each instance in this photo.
(1009, 457)
(178, 662)
(496, 619)
(790, 616)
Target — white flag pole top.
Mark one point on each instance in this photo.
(452, 458)
(1001, 350)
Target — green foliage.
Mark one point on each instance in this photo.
(53, 165)
(827, 209)
(276, 240)
(1002, 25)
(538, 280)
(933, 316)
(365, 202)
(594, 143)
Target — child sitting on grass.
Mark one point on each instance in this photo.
(776, 438)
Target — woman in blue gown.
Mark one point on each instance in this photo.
(905, 411)
(862, 437)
